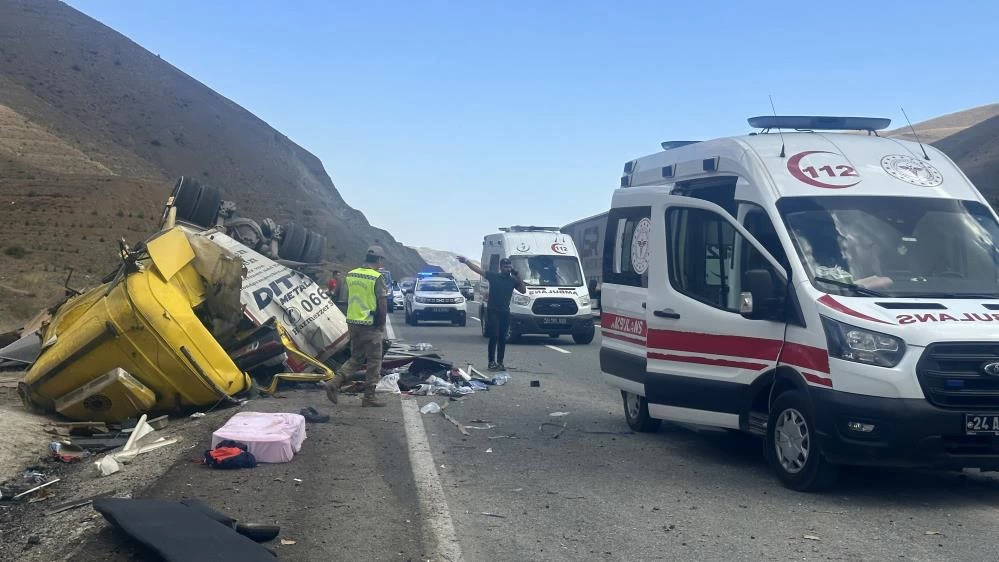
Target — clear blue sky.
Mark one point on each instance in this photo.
(442, 121)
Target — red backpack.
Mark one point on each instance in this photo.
(230, 454)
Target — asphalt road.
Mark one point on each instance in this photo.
(596, 491)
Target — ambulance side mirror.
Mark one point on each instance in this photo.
(759, 299)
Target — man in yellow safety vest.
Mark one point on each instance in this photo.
(366, 308)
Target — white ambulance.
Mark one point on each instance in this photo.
(837, 294)
(557, 300)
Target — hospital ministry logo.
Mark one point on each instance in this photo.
(911, 170)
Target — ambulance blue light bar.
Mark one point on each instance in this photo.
(819, 123)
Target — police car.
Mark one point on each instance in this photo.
(435, 296)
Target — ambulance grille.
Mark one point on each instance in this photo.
(953, 375)
(555, 307)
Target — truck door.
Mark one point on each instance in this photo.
(702, 353)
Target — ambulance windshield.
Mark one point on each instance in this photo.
(894, 246)
(549, 271)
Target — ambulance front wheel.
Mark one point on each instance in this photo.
(791, 446)
(586, 336)
(636, 413)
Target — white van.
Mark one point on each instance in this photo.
(835, 293)
(557, 300)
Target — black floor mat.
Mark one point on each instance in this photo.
(177, 532)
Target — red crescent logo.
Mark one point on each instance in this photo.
(794, 167)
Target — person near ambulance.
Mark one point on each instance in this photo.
(501, 287)
(366, 313)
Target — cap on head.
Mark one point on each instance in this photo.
(375, 253)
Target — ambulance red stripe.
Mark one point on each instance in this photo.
(707, 361)
(743, 347)
(622, 337)
(840, 307)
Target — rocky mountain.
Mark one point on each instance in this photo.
(93, 131)
(938, 128)
(976, 151)
(448, 261)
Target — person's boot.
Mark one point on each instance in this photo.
(332, 388)
(371, 403)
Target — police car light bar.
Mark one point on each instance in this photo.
(819, 123)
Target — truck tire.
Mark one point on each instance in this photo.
(293, 243)
(791, 446)
(482, 323)
(207, 208)
(185, 197)
(315, 246)
(636, 413)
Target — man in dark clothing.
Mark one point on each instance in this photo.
(501, 286)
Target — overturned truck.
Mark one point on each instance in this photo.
(205, 310)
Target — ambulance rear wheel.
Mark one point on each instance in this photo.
(636, 413)
(791, 447)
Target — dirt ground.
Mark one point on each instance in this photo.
(23, 439)
(348, 494)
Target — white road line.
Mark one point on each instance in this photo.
(558, 349)
(433, 504)
(389, 332)
(474, 318)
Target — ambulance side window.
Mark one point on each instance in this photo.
(622, 245)
(702, 252)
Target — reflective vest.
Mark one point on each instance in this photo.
(361, 300)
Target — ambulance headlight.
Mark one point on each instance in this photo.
(584, 300)
(420, 299)
(862, 346)
(520, 300)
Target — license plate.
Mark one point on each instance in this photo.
(439, 309)
(554, 321)
(981, 424)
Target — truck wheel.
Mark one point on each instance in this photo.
(315, 243)
(293, 242)
(406, 313)
(583, 338)
(207, 208)
(636, 413)
(463, 321)
(482, 322)
(185, 197)
(791, 447)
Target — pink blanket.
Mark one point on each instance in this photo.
(269, 437)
